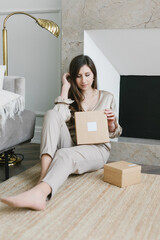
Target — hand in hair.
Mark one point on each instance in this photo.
(65, 80)
(65, 86)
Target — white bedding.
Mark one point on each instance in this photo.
(10, 104)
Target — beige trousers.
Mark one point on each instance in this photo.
(67, 158)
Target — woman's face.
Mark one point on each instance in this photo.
(85, 78)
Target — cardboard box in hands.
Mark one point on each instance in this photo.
(91, 127)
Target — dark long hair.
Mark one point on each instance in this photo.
(75, 93)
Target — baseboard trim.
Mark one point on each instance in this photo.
(37, 135)
(40, 114)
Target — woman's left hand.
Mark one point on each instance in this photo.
(111, 119)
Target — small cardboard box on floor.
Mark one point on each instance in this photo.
(122, 174)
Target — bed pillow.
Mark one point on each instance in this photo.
(2, 71)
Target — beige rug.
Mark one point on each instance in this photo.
(84, 208)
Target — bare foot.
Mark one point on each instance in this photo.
(34, 198)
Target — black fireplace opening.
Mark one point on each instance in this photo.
(139, 109)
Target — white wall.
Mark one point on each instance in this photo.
(34, 53)
(108, 78)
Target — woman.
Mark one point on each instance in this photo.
(60, 156)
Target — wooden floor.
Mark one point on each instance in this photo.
(31, 157)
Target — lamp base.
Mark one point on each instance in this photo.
(13, 158)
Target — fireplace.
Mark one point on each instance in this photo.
(139, 111)
(127, 62)
(108, 34)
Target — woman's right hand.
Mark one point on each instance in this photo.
(65, 81)
(65, 86)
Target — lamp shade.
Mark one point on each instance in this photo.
(49, 25)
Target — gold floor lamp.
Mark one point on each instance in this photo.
(44, 23)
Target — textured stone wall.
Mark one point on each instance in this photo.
(80, 15)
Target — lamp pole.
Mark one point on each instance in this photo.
(5, 50)
(44, 23)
